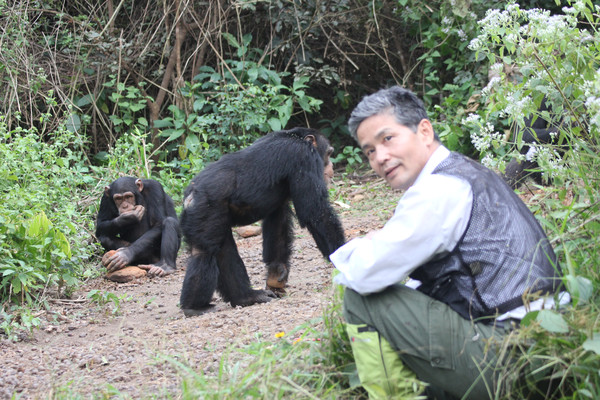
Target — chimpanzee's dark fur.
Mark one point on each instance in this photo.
(246, 186)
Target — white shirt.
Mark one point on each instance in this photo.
(429, 220)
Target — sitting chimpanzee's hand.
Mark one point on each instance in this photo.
(115, 260)
(133, 216)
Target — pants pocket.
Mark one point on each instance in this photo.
(442, 336)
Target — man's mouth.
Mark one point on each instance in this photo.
(390, 170)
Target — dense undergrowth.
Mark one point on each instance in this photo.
(51, 182)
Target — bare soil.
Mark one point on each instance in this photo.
(86, 347)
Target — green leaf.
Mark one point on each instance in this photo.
(231, 40)
(303, 102)
(552, 321)
(16, 285)
(163, 123)
(73, 123)
(84, 100)
(192, 141)
(529, 317)
(62, 243)
(175, 135)
(580, 288)
(275, 124)
(39, 225)
(592, 344)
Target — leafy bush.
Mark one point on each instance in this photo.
(42, 238)
(351, 156)
(227, 111)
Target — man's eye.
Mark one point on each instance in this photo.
(369, 152)
(388, 138)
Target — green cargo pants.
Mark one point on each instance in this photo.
(448, 352)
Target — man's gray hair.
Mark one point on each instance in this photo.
(403, 104)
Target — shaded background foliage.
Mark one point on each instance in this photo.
(112, 67)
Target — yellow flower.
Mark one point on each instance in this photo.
(279, 334)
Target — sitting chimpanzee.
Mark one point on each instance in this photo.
(536, 131)
(246, 186)
(137, 225)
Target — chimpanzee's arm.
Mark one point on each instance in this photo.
(311, 202)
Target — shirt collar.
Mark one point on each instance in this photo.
(436, 158)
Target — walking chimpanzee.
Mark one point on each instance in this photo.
(256, 183)
(137, 225)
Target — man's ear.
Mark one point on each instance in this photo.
(426, 129)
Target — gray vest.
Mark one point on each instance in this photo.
(503, 256)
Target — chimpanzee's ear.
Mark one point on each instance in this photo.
(139, 184)
(311, 139)
(107, 191)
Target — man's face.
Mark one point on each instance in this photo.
(395, 152)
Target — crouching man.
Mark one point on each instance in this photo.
(472, 246)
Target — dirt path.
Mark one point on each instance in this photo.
(86, 347)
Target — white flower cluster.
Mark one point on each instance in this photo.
(475, 44)
(593, 107)
(493, 83)
(497, 68)
(514, 108)
(495, 18)
(550, 161)
(483, 139)
(471, 118)
(580, 6)
(546, 27)
(489, 161)
(592, 102)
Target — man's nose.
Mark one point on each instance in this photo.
(382, 155)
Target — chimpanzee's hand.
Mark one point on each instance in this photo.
(115, 260)
(133, 216)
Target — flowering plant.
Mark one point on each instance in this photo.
(537, 57)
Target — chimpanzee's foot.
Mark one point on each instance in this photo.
(191, 312)
(256, 296)
(157, 270)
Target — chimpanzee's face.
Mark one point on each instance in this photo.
(124, 201)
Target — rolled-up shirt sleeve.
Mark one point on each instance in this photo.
(429, 220)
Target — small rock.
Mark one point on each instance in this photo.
(126, 274)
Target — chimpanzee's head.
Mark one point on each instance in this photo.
(324, 149)
(126, 193)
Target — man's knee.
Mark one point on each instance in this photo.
(355, 311)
